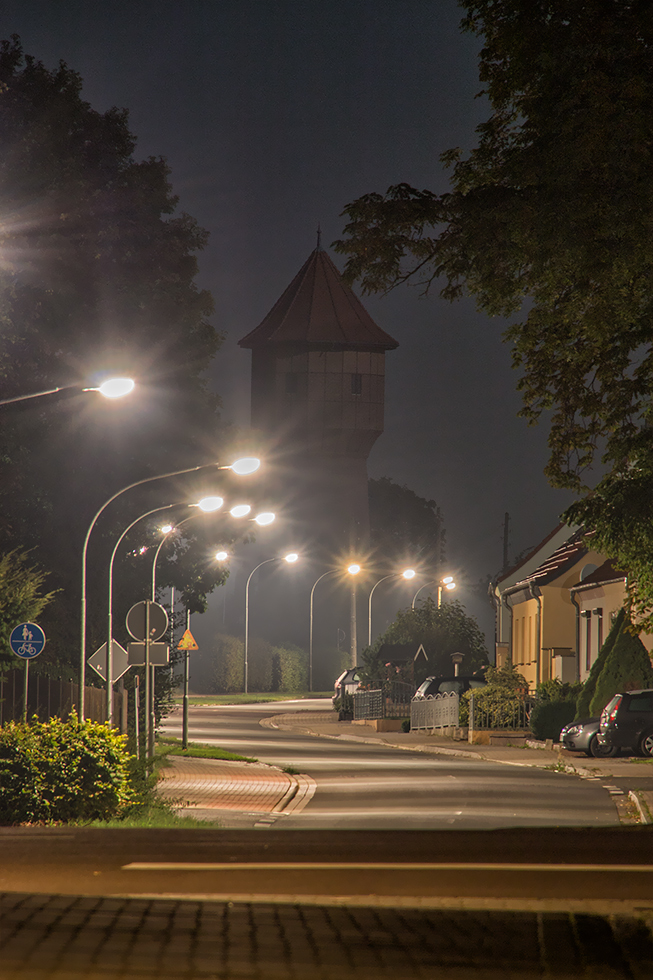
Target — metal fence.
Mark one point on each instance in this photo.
(51, 697)
(385, 700)
(439, 711)
(511, 714)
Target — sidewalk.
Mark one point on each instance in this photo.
(325, 725)
(206, 788)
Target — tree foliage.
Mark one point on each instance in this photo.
(21, 598)
(549, 220)
(626, 667)
(97, 277)
(588, 690)
(442, 631)
(403, 526)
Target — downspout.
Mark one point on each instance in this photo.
(576, 604)
(504, 600)
(538, 631)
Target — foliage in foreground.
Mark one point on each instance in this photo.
(500, 702)
(21, 597)
(63, 771)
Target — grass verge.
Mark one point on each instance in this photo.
(173, 746)
(208, 699)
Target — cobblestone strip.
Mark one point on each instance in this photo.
(214, 784)
(61, 938)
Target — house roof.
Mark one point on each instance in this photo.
(401, 652)
(531, 554)
(601, 576)
(562, 559)
(319, 308)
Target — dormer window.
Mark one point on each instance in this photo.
(357, 384)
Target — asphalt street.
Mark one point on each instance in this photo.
(372, 786)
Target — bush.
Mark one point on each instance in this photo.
(62, 771)
(589, 687)
(627, 667)
(548, 718)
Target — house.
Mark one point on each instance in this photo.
(540, 634)
(598, 598)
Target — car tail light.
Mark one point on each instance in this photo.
(613, 714)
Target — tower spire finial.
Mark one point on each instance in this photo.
(319, 237)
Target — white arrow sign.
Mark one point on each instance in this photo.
(119, 661)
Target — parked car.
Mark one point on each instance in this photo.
(347, 683)
(583, 736)
(445, 685)
(627, 722)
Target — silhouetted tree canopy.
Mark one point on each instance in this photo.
(97, 278)
(549, 221)
(403, 526)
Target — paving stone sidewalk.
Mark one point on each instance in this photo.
(70, 938)
(204, 787)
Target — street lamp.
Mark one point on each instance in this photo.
(241, 466)
(408, 574)
(444, 583)
(207, 504)
(112, 388)
(353, 570)
(291, 558)
(331, 571)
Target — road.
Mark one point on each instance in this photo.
(374, 787)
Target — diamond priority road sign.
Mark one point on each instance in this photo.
(119, 661)
(27, 640)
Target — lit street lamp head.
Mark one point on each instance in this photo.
(210, 504)
(222, 556)
(265, 518)
(166, 529)
(353, 569)
(240, 510)
(245, 466)
(409, 573)
(115, 387)
(291, 557)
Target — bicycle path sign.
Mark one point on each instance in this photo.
(27, 640)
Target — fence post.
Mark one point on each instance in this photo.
(471, 715)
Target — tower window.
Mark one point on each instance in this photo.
(291, 384)
(357, 384)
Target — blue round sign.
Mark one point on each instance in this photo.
(27, 640)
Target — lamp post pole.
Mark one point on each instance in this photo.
(245, 466)
(331, 571)
(291, 557)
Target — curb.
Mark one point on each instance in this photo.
(634, 797)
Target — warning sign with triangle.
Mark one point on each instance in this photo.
(187, 642)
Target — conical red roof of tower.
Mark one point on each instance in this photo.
(319, 308)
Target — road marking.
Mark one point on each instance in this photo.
(370, 866)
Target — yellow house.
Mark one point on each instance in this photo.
(542, 638)
(598, 598)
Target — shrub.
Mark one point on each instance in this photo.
(627, 667)
(62, 771)
(548, 718)
(589, 687)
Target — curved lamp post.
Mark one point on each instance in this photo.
(444, 583)
(113, 388)
(331, 571)
(241, 466)
(291, 557)
(408, 574)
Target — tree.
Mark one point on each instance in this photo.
(97, 276)
(550, 218)
(403, 526)
(588, 689)
(442, 631)
(627, 667)
(21, 599)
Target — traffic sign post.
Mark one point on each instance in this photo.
(187, 643)
(119, 661)
(147, 621)
(27, 640)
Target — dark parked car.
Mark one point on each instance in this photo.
(627, 722)
(583, 736)
(445, 685)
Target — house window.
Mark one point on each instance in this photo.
(588, 641)
(357, 384)
(599, 629)
(291, 384)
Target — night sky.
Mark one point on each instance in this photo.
(274, 114)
